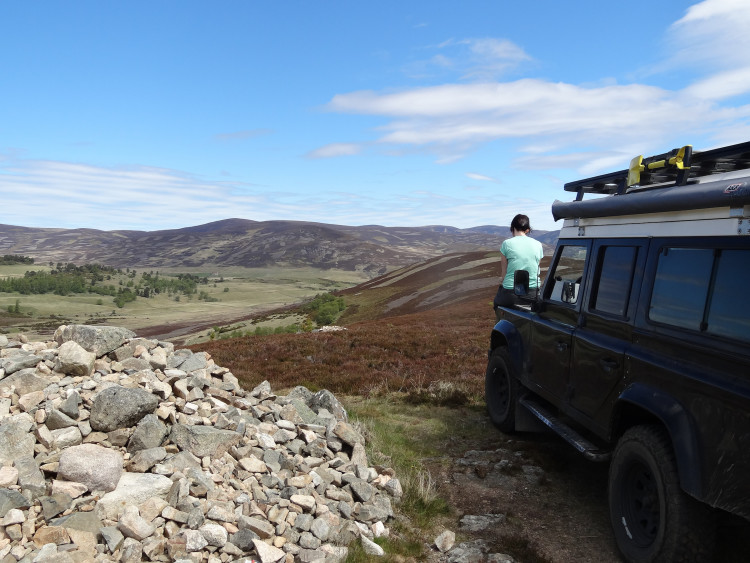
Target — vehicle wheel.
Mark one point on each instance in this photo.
(652, 517)
(501, 390)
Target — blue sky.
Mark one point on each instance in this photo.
(158, 115)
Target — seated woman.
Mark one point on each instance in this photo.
(520, 252)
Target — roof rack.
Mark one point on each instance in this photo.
(674, 168)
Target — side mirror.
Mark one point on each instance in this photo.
(569, 292)
(521, 283)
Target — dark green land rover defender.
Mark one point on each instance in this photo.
(637, 349)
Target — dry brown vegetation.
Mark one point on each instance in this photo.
(406, 353)
(437, 333)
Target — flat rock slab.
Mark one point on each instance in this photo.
(96, 467)
(25, 381)
(121, 407)
(133, 488)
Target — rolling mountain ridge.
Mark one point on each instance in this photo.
(370, 249)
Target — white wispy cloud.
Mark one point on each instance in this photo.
(480, 177)
(712, 36)
(452, 119)
(335, 149)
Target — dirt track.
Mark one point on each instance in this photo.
(557, 515)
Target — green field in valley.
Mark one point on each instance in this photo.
(220, 297)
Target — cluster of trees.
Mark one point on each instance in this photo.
(33, 282)
(325, 308)
(10, 259)
(67, 279)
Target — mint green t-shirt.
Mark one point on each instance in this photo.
(523, 253)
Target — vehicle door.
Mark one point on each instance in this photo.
(557, 319)
(605, 329)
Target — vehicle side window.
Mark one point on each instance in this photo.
(729, 310)
(702, 289)
(681, 286)
(568, 274)
(614, 281)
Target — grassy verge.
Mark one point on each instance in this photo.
(404, 436)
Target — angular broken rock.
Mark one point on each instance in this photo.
(268, 553)
(73, 360)
(96, 467)
(120, 407)
(132, 525)
(327, 400)
(15, 442)
(149, 433)
(445, 541)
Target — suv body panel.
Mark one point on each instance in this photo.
(601, 369)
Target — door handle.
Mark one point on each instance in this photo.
(608, 365)
(561, 346)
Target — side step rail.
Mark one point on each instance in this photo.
(589, 450)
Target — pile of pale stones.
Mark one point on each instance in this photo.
(119, 448)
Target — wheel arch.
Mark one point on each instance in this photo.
(505, 334)
(642, 404)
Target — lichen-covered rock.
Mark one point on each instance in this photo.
(202, 441)
(120, 407)
(100, 340)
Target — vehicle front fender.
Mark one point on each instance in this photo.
(679, 423)
(505, 334)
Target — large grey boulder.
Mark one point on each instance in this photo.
(121, 407)
(73, 359)
(100, 340)
(96, 467)
(202, 441)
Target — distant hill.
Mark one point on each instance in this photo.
(437, 283)
(371, 249)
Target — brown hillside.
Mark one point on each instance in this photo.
(406, 331)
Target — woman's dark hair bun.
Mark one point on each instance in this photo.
(520, 223)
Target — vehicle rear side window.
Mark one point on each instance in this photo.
(729, 310)
(681, 286)
(615, 278)
(701, 289)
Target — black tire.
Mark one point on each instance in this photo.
(501, 390)
(652, 517)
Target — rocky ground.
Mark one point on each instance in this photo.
(119, 448)
(531, 498)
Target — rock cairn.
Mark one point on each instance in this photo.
(119, 448)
